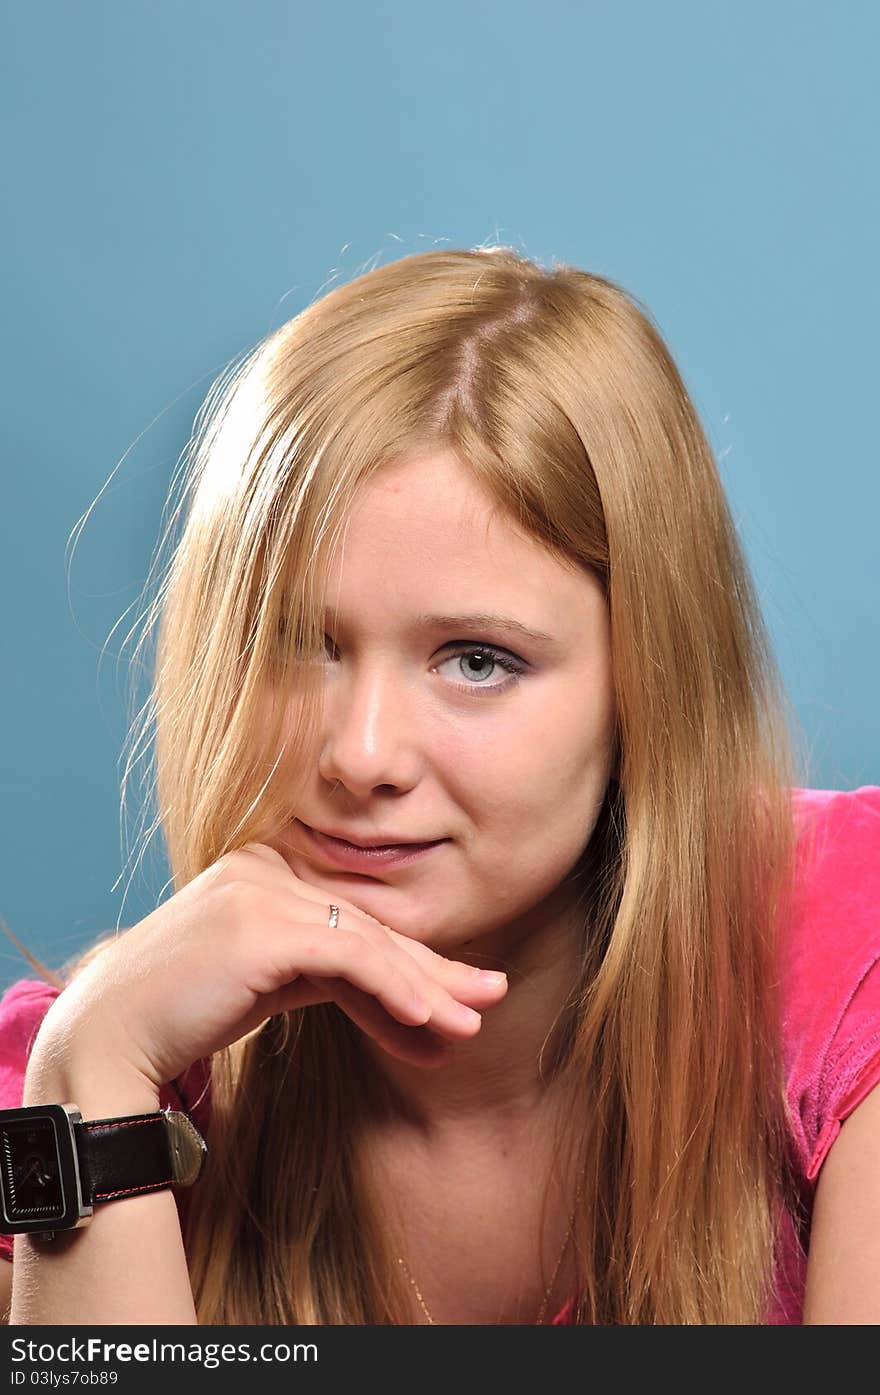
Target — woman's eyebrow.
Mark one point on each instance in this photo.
(479, 620)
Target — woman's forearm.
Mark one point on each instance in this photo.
(127, 1264)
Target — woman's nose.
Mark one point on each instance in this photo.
(369, 729)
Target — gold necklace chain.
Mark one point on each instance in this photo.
(538, 1320)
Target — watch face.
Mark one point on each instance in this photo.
(37, 1167)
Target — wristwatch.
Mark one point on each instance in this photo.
(55, 1167)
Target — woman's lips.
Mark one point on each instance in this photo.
(364, 859)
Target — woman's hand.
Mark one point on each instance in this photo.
(247, 939)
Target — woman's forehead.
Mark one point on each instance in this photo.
(430, 518)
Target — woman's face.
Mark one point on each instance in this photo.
(426, 735)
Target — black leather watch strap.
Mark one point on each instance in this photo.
(123, 1156)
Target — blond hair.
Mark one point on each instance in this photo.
(555, 388)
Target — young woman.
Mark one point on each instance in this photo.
(457, 577)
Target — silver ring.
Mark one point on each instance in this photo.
(334, 917)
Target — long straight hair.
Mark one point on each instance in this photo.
(556, 390)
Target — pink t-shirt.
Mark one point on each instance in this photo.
(829, 957)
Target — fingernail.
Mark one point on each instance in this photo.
(490, 976)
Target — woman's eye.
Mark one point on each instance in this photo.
(480, 661)
(476, 664)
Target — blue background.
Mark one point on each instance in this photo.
(183, 177)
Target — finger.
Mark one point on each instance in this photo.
(448, 1014)
(347, 953)
(417, 1045)
(462, 980)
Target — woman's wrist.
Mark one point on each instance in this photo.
(98, 1089)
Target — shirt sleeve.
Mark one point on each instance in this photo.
(22, 1009)
(831, 1028)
